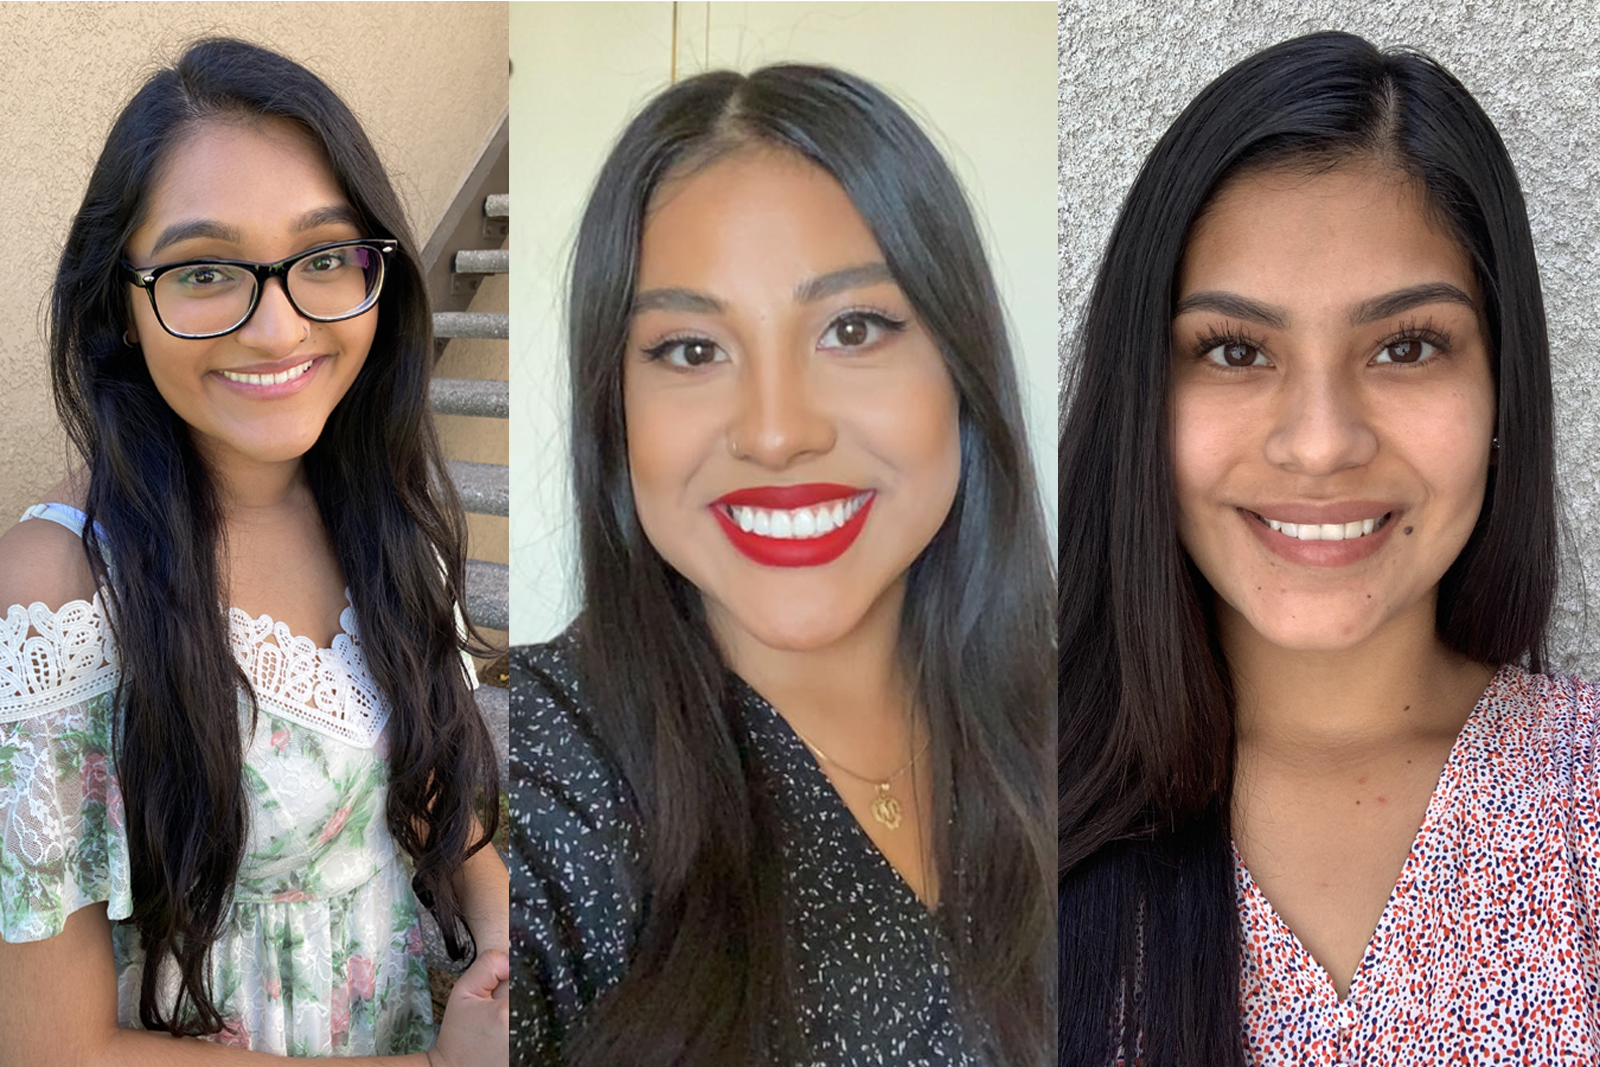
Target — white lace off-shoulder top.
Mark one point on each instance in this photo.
(321, 953)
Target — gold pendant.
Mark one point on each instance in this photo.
(885, 808)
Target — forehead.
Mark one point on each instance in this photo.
(255, 176)
(1321, 239)
(759, 215)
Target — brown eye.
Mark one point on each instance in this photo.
(859, 329)
(852, 332)
(697, 353)
(685, 352)
(1236, 354)
(1414, 350)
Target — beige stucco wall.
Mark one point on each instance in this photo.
(428, 81)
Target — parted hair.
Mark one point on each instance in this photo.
(712, 977)
(1149, 944)
(378, 478)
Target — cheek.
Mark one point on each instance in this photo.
(666, 442)
(1206, 441)
(1447, 441)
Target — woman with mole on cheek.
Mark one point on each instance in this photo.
(1318, 803)
(781, 795)
(238, 746)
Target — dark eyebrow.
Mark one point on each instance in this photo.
(676, 300)
(812, 289)
(183, 231)
(1233, 305)
(327, 216)
(837, 281)
(322, 216)
(1382, 307)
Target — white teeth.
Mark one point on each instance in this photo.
(796, 524)
(1326, 531)
(268, 379)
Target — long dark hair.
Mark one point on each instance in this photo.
(709, 980)
(378, 478)
(1149, 931)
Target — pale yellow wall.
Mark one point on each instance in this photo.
(981, 77)
(428, 82)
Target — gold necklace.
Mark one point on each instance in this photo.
(885, 808)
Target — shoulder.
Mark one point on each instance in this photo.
(551, 721)
(576, 865)
(43, 562)
(1543, 731)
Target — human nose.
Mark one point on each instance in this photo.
(1321, 425)
(778, 421)
(275, 326)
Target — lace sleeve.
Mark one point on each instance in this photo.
(62, 842)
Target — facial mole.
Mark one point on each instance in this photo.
(1408, 531)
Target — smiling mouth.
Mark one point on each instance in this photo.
(1326, 531)
(796, 524)
(268, 379)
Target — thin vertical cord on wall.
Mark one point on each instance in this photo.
(673, 68)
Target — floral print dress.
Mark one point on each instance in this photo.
(322, 954)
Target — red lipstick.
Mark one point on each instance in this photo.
(812, 551)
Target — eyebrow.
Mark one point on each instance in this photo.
(323, 216)
(676, 300)
(1381, 307)
(809, 291)
(1367, 311)
(842, 280)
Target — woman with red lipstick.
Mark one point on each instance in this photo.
(238, 748)
(1318, 805)
(781, 791)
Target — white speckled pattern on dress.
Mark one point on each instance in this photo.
(872, 990)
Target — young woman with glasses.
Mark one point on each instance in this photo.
(782, 791)
(238, 745)
(1319, 803)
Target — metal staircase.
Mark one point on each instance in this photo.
(467, 246)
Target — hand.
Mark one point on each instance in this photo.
(476, 1031)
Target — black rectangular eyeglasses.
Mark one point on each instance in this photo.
(203, 298)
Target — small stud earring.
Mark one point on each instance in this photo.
(1494, 443)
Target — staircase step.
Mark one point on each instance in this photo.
(447, 324)
(483, 261)
(471, 396)
(488, 589)
(497, 205)
(484, 488)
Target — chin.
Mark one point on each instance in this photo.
(1316, 626)
(793, 630)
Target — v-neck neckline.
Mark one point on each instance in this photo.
(831, 803)
(1252, 897)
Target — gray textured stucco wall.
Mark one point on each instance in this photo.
(1128, 70)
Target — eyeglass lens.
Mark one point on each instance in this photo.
(208, 298)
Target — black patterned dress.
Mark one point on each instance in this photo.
(872, 989)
